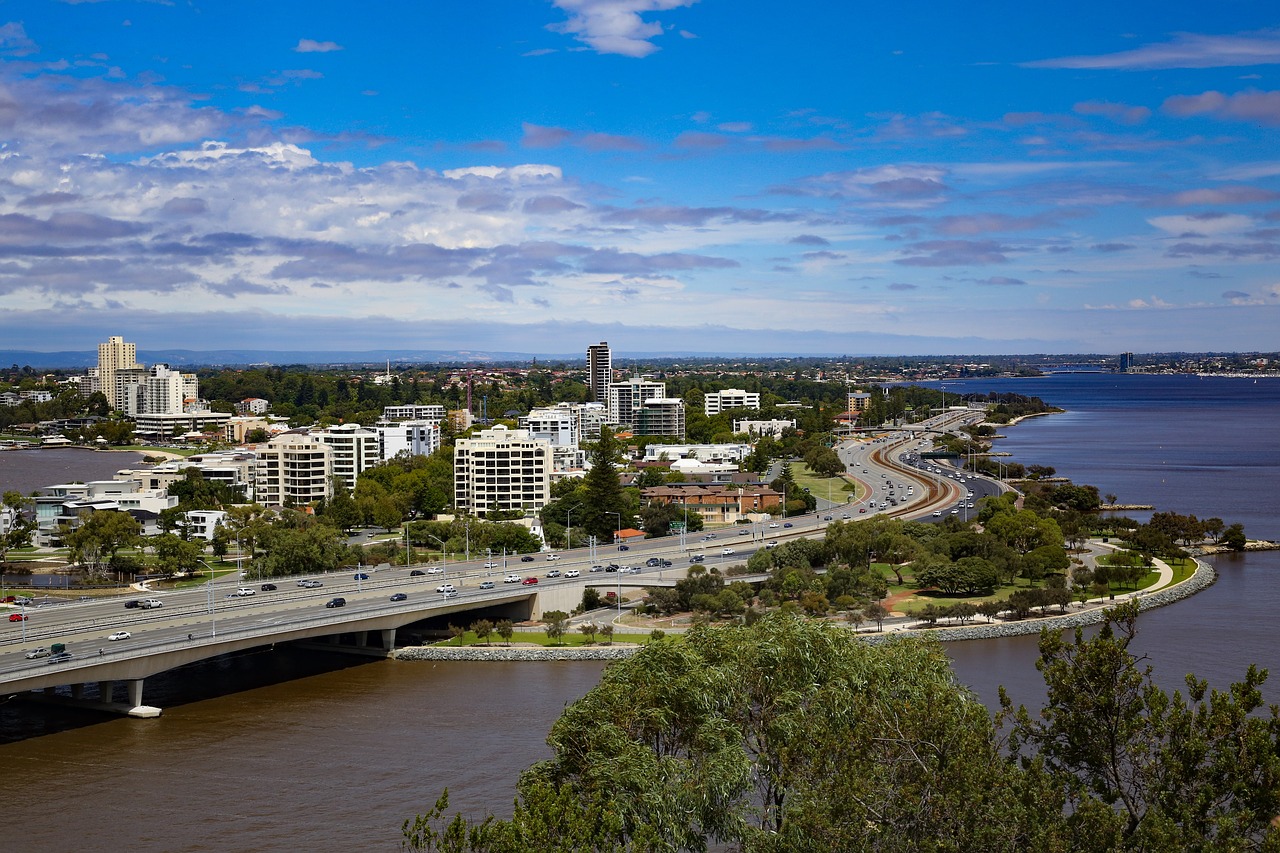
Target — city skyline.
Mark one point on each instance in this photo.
(660, 174)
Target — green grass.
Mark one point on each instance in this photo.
(147, 448)
(840, 488)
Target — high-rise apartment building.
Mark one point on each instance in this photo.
(354, 449)
(293, 470)
(715, 402)
(115, 355)
(599, 371)
(500, 468)
(626, 396)
(659, 416)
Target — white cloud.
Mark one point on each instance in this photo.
(615, 26)
(1186, 50)
(1202, 224)
(313, 46)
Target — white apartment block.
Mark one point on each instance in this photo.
(416, 438)
(659, 416)
(293, 470)
(557, 424)
(231, 468)
(253, 406)
(710, 453)
(625, 398)
(179, 424)
(415, 412)
(773, 428)
(715, 402)
(167, 392)
(354, 449)
(501, 468)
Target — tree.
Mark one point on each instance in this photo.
(603, 491)
(21, 524)
(100, 536)
(590, 599)
(783, 735)
(1141, 769)
(557, 622)
(456, 632)
(877, 613)
(589, 630)
(1234, 537)
(606, 631)
(504, 629)
(482, 628)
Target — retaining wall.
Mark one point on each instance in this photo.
(504, 653)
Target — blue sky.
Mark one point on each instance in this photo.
(693, 175)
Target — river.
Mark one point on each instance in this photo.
(341, 753)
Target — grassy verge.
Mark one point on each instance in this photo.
(837, 488)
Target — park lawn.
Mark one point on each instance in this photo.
(840, 488)
(150, 448)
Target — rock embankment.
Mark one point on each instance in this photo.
(1202, 577)
(514, 653)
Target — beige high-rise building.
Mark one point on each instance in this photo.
(113, 356)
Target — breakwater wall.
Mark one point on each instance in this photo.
(514, 653)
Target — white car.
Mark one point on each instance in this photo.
(492, 566)
(724, 552)
(774, 525)
(150, 603)
(773, 544)
(553, 556)
(119, 635)
(446, 588)
(244, 592)
(572, 573)
(434, 570)
(512, 579)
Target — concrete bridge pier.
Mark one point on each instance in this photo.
(136, 708)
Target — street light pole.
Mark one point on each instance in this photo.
(444, 554)
(213, 613)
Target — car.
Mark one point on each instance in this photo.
(554, 573)
(846, 516)
(724, 552)
(788, 524)
(8, 599)
(666, 564)
(597, 568)
(131, 604)
(955, 512)
(310, 584)
(773, 525)
(453, 593)
(486, 584)
(743, 532)
(862, 509)
(361, 576)
(416, 573)
(511, 579)
(492, 566)
(150, 603)
(40, 652)
(652, 561)
(572, 573)
(268, 587)
(17, 617)
(336, 602)
(527, 558)
(244, 592)
(60, 657)
(553, 556)
(708, 537)
(624, 547)
(611, 568)
(400, 596)
(625, 570)
(446, 587)
(773, 544)
(696, 558)
(824, 518)
(529, 581)
(937, 513)
(119, 635)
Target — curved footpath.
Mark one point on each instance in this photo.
(1204, 576)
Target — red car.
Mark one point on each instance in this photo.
(529, 581)
(17, 617)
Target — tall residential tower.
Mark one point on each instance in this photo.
(113, 357)
(599, 371)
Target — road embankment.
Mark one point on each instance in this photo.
(514, 653)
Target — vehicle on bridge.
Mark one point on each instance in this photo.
(150, 603)
(529, 581)
(446, 587)
(399, 596)
(119, 635)
(336, 602)
(511, 579)
(486, 584)
(40, 652)
(17, 617)
(243, 592)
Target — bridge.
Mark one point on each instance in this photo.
(207, 622)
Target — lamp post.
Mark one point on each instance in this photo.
(617, 529)
(568, 528)
(213, 613)
(444, 555)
